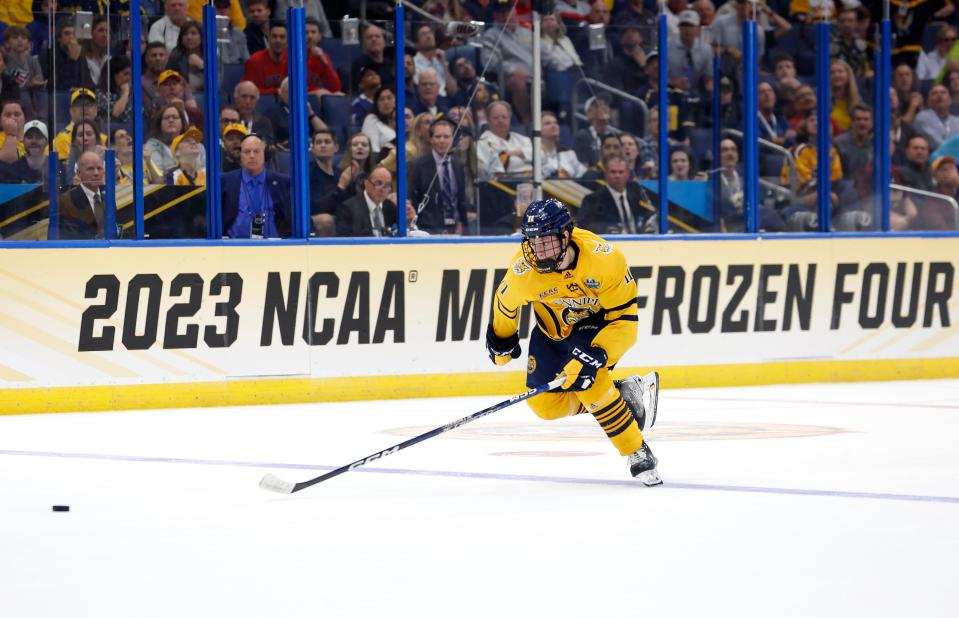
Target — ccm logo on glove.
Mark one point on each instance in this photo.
(580, 370)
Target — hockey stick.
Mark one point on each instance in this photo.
(274, 483)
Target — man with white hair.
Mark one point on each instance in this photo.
(499, 151)
(82, 208)
(167, 29)
(427, 97)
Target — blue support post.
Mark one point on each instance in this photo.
(299, 121)
(663, 91)
(882, 166)
(716, 184)
(402, 223)
(211, 123)
(136, 95)
(53, 191)
(110, 203)
(751, 130)
(823, 139)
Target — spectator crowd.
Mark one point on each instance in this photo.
(468, 114)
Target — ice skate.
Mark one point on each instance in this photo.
(642, 465)
(642, 396)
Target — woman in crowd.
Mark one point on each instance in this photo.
(187, 57)
(169, 121)
(380, 126)
(114, 103)
(558, 51)
(845, 95)
(419, 137)
(558, 161)
(681, 165)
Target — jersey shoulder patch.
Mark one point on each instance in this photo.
(603, 248)
(520, 266)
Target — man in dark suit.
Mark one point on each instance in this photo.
(255, 202)
(368, 213)
(443, 209)
(618, 208)
(82, 210)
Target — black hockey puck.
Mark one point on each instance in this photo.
(60, 508)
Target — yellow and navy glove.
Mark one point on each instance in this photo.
(502, 351)
(581, 367)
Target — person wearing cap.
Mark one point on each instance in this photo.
(167, 29)
(232, 137)
(32, 166)
(186, 151)
(587, 141)
(255, 202)
(172, 87)
(83, 106)
(938, 214)
(680, 110)
(362, 105)
(690, 58)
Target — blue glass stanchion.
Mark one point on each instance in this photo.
(663, 126)
(299, 124)
(750, 128)
(136, 96)
(882, 166)
(53, 190)
(211, 122)
(716, 181)
(400, 121)
(823, 139)
(110, 203)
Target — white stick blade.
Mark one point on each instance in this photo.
(275, 483)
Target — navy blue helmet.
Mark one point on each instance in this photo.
(546, 220)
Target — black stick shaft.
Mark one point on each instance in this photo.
(429, 434)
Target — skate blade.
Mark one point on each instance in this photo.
(650, 478)
(650, 383)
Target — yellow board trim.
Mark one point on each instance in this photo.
(308, 390)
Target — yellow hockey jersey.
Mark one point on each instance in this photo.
(597, 287)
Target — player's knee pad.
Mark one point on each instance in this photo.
(600, 394)
(551, 406)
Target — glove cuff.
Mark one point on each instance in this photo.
(499, 345)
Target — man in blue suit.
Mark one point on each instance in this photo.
(255, 202)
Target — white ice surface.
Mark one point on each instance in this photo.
(509, 516)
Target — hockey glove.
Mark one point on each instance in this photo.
(502, 351)
(581, 367)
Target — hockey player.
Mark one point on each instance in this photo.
(584, 300)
